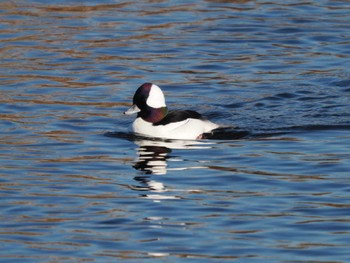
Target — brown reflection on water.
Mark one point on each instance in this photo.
(84, 8)
(46, 101)
(87, 159)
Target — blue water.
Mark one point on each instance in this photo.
(76, 186)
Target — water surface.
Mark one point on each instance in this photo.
(77, 186)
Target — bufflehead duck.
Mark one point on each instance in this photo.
(154, 119)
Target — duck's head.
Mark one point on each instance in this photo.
(149, 103)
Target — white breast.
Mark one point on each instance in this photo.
(189, 129)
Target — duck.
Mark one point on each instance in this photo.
(154, 120)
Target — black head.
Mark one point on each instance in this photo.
(141, 96)
(149, 103)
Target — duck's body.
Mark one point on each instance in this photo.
(153, 118)
(171, 127)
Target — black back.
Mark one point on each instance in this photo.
(178, 115)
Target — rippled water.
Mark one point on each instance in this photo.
(76, 186)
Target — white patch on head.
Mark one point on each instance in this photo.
(156, 97)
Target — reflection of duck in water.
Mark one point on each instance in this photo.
(153, 158)
(153, 118)
(153, 155)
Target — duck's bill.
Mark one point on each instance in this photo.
(132, 110)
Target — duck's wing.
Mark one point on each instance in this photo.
(179, 116)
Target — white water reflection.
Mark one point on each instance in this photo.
(152, 160)
(153, 155)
